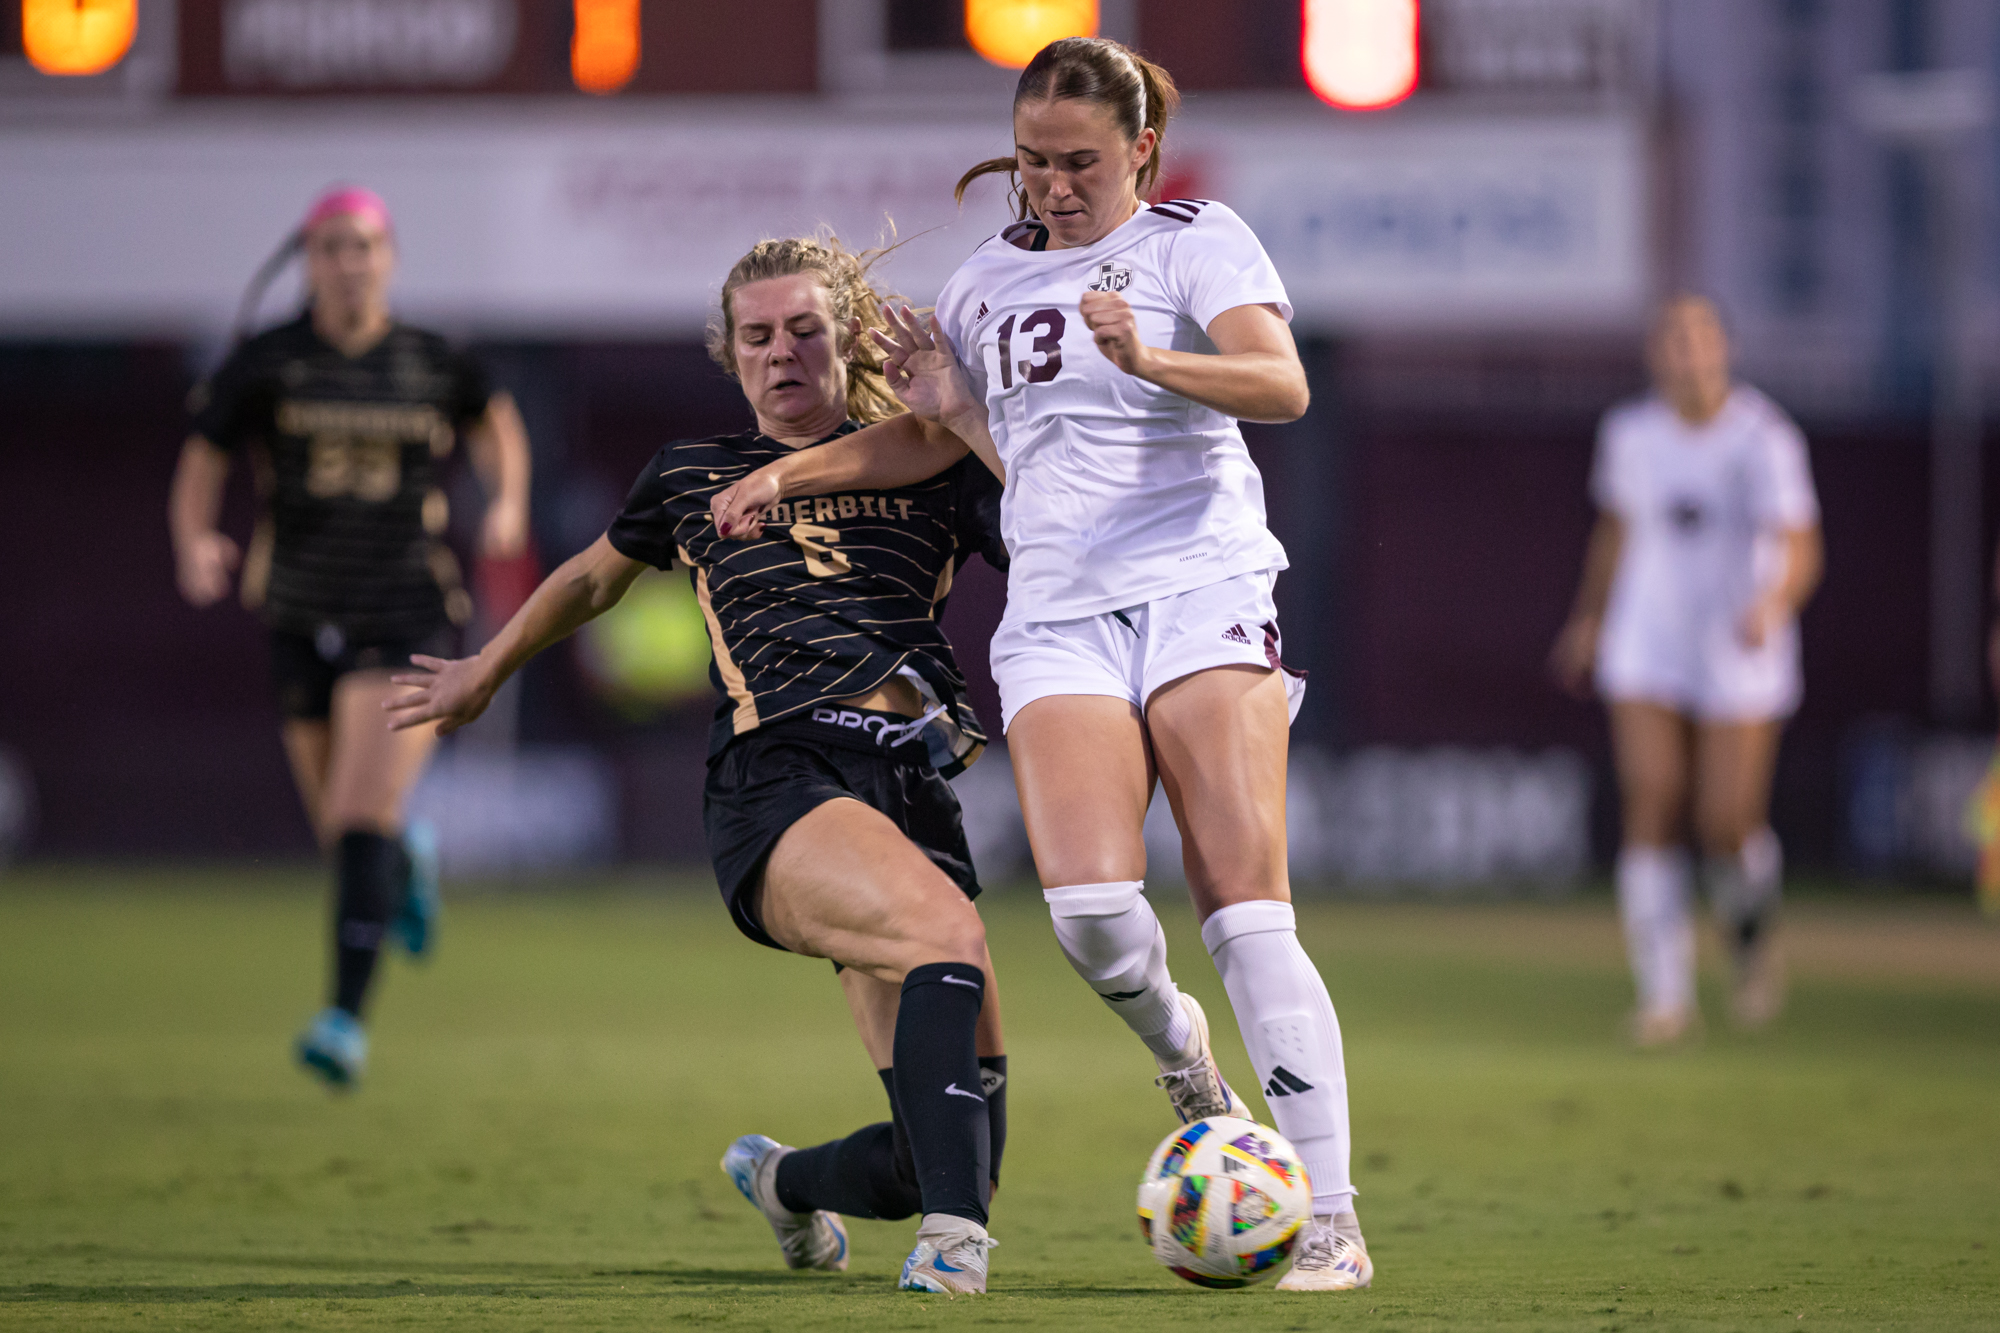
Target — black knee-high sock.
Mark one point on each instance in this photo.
(871, 1173)
(993, 1082)
(938, 1087)
(370, 872)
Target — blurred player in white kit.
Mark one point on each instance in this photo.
(1707, 545)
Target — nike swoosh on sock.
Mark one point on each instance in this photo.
(954, 1090)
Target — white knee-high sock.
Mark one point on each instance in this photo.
(1288, 1024)
(1111, 937)
(1659, 927)
(1744, 889)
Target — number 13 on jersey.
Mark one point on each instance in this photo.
(1039, 336)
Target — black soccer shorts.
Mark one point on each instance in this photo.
(305, 666)
(764, 782)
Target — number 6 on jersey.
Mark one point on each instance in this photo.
(817, 545)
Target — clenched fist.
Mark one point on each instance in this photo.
(1111, 322)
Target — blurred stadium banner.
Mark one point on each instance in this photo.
(1380, 819)
(511, 812)
(1908, 797)
(622, 221)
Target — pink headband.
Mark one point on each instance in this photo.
(347, 199)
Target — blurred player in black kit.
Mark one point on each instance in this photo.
(350, 416)
(833, 831)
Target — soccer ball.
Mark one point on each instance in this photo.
(1222, 1201)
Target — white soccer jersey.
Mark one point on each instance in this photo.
(1703, 508)
(1118, 491)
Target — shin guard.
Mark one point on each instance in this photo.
(1288, 1024)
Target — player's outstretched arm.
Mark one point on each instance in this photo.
(453, 693)
(901, 451)
(1256, 377)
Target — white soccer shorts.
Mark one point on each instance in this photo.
(1130, 654)
(1700, 668)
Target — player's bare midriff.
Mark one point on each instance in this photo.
(894, 695)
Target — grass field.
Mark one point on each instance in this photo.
(537, 1144)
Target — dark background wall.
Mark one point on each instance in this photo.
(1433, 504)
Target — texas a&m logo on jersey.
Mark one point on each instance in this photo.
(1111, 277)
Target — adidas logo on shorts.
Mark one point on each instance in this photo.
(1235, 634)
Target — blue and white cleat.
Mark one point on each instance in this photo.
(807, 1240)
(416, 918)
(950, 1258)
(335, 1047)
(1193, 1081)
(1326, 1260)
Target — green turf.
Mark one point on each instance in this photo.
(536, 1145)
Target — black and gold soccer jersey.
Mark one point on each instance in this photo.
(840, 593)
(355, 448)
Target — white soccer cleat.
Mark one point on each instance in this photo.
(808, 1240)
(1325, 1260)
(1193, 1081)
(950, 1258)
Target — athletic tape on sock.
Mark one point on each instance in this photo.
(1112, 938)
(1106, 899)
(1251, 918)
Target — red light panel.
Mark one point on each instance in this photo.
(1359, 55)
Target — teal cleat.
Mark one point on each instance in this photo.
(417, 918)
(335, 1047)
(807, 1240)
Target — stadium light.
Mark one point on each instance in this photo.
(77, 36)
(604, 47)
(1009, 32)
(1360, 54)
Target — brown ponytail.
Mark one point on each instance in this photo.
(1139, 94)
